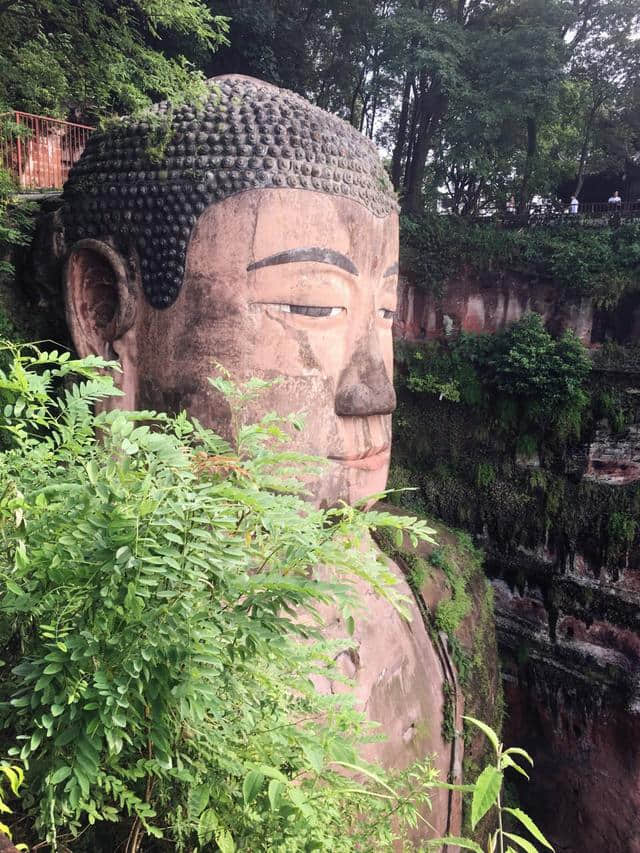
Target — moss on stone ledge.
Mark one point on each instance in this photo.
(456, 598)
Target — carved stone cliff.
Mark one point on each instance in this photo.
(561, 535)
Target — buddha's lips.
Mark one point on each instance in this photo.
(370, 460)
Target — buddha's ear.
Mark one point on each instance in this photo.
(100, 300)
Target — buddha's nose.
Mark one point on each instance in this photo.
(364, 386)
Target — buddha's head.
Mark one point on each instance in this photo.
(263, 236)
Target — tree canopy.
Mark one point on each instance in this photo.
(92, 58)
(482, 100)
(473, 103)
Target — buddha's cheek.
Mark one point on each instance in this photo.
(304, 369)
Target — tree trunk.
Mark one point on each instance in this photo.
(532, 150)
(582, 166)
(354, 99)
(401, 136)
(374, 104)
(431, 107)
(411, 138)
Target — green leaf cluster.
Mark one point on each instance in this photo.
(14, 775)
(99, 57)
(521, 378)
(160, 629)
(486, 795)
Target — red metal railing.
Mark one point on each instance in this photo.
(39, 151)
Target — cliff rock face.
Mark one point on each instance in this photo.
(485, 304)
(561, 531)
(615, 460)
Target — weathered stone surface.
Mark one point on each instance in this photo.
(148, 179)
(471, 303)
(572, 688)
(566, 581)
(585, 785)
(399, 673)
(615, 459)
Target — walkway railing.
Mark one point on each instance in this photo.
(39, 151)
(595, 214)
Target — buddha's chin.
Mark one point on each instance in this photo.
(350, 482)
(367, 483)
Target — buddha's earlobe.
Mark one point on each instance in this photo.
(100, 298)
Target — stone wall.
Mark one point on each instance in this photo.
(566, 580)
(489, 302)
(471, 303)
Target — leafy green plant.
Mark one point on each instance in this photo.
(609, 406)
(159, 620)
(14, 775)
(103, 59)
(485, 474)
(521, 378)
(16, 219)
(487, 795)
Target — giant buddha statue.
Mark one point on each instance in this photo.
(263, 236)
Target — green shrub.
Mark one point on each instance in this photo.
(485, 474)
(450, 612)
(622, 529)
(521, 378)
(156, 583)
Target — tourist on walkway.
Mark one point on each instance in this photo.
(574, 204)
(615, 198)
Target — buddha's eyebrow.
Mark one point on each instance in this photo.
(313, 253)
(392, 270)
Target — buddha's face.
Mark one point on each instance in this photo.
(291, 285)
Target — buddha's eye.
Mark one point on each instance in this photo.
(386, 314)
(307, 310)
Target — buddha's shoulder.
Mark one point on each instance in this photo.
(449, 587)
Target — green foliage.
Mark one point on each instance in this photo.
(523, 378)
(415, 568)
(160, 627)
(598, 262)
(451, 611)
(14, 775)
(622, 528)
(101, 58)
(485, 474)
(609, 405)
(487, 794)
(433, 83)
(16, 220)
(448, 726)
